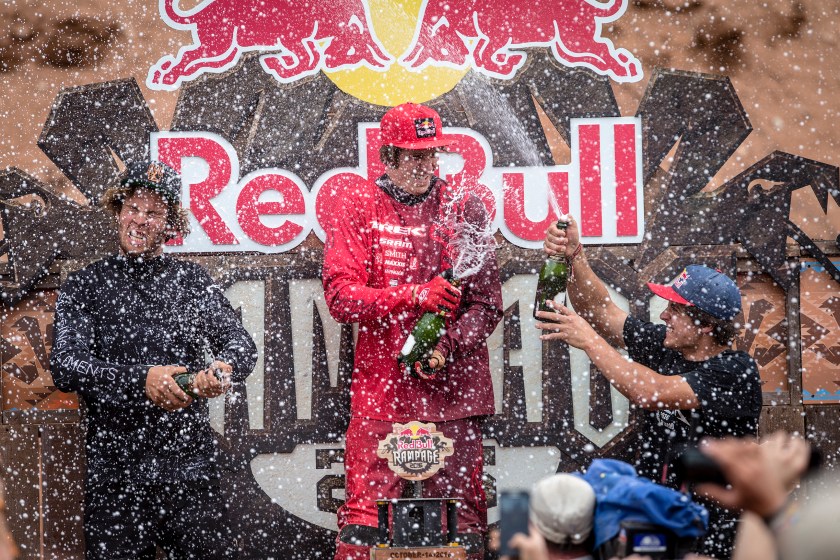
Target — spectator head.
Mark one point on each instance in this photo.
(562, 509)
(811, 532)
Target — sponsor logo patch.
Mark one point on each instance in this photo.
(424, 293)
(415, 451)
(155, 173)
(425, 128)
(681, 280)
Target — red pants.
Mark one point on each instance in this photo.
(368, 479)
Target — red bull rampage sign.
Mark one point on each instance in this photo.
(415, 451)
(273, 210)
(383, 53)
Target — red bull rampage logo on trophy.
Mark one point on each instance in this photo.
(415, 451)
(301, 38)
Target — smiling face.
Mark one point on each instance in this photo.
(681, 334)
(415, 170)
(142, 224)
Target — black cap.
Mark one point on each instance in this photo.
(155, 176)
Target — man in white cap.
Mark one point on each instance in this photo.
(382, 270)
(562, 510)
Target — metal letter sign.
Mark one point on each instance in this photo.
(272, 210)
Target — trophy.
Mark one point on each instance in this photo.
(412, 528)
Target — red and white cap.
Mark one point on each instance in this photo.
(413, 127)
(705, 288)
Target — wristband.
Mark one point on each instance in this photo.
(571, 259)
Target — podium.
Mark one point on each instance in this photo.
(412, 528)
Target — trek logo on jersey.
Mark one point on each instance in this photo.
(419, 231)
(415, 451)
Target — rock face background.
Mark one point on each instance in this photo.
(781, 57)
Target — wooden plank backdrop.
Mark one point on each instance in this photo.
(43, 451)
(281, 437)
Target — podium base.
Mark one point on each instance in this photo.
(418, 553)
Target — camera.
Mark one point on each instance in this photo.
(645, 539)
(694, 466)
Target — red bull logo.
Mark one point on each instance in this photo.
(273, 210)
(415, 451)
(299, 38)
(425, 128)
(484, 35)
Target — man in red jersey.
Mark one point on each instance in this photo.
(382, 264)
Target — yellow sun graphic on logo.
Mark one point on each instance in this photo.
(394, 23)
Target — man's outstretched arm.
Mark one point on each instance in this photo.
(643, 386)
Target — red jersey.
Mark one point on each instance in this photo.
(377, 249)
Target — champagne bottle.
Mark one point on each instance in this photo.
(424, 337)
(185, 381)
(551, 285)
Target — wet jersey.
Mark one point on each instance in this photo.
(727, 386)
(114, 320)
(377, 249)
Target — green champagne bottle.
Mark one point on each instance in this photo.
(551, 285)
(424, 337)
(185, 381)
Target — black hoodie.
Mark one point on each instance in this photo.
(114, 320)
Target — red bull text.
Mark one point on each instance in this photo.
(272, 210)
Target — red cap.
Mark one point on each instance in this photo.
(413, 127)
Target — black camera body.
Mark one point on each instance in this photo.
(694, 466)
(645, 539)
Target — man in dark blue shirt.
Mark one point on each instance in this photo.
(683, 374)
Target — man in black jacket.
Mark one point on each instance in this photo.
(124, 327)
